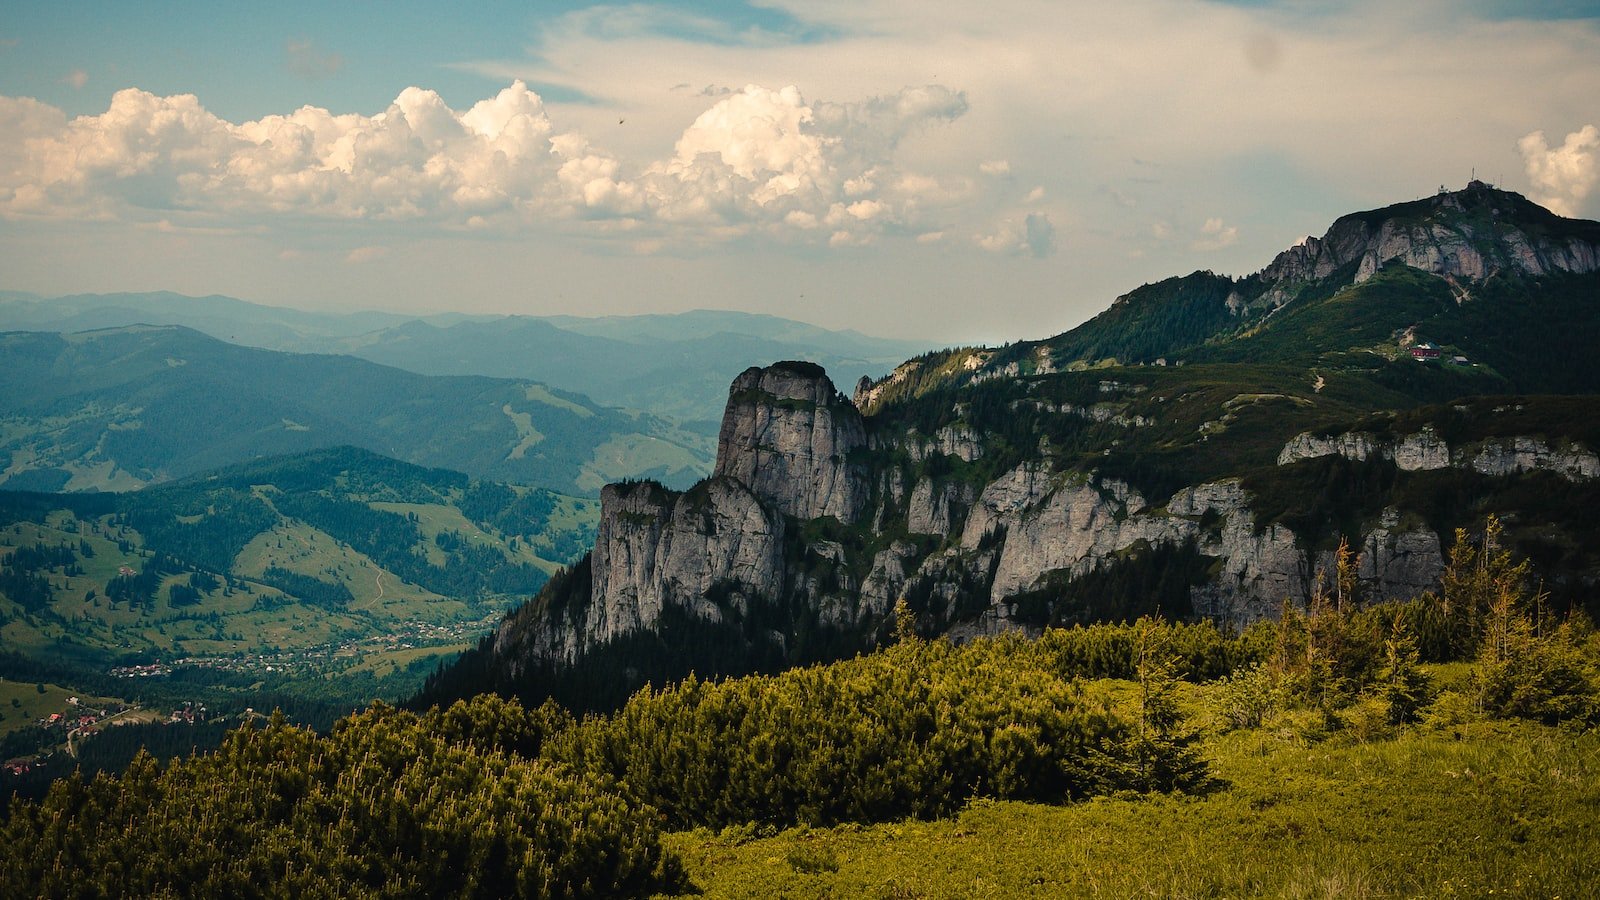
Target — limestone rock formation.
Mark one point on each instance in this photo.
(1425, 450)
(791, 438)
(937, 508)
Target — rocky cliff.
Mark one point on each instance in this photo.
(1467, 235)
(793, 439)
(818, 521)
(1014, 488)
(1426, 451)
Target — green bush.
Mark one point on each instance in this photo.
(912, 731)
(382, 807)
(1551, 680)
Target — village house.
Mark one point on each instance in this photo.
(1426, 351)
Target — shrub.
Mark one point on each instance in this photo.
(380, 807)
(911, 731)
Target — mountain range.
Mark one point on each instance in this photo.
(671, 365)
(1201, 448)
(120, 408)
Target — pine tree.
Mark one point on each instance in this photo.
(1402, 686)
(1163, 750)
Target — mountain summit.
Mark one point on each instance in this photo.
(1469, 262)
(1471, 234)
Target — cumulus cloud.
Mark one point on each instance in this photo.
(1563, 176)
(770, 161)
(1216, 234)
(758, 161)
(417, 159)
(1032, 235)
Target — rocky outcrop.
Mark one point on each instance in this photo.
(792, 439)
(713, 551)
(1468, 235)
(937, 508)
(1356, 447)
(1260, 569)
(1420, 452)
(1398, 564)
(1076, 527)
(1527, 454)
(885, 583)
(1425, 450)
(786, 452)
(958, 441)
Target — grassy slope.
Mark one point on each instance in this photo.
(21, 703)
(1480, 810)
(241, 623)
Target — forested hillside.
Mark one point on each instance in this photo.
(337, 574)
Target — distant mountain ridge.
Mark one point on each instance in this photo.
(124, 407)
(676, 365)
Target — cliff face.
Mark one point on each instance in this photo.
(715, 550)
(1425, 451)
(786, 454)
(792, 439)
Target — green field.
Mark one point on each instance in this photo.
(22, 704)
(228, 620)
(635, 455)
(1481, 810)
(300, 548)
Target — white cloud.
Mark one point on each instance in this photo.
(366, 254)
(1216, 234)
(1061, 90)
(1032, 235)
(1563, 177)
(758, 162)
(995, 167)
(77, 78)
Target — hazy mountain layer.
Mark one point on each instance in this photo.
(125, 407)
(676, 365)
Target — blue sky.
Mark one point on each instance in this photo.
(948, 171)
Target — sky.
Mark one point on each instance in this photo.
(949, 172)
